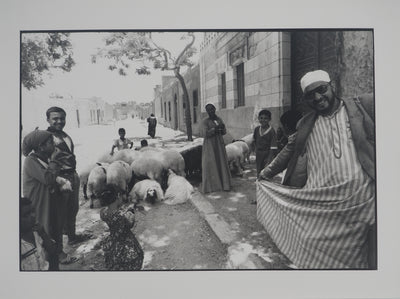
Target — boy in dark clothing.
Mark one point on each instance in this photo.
(64, 154)
(265, 140)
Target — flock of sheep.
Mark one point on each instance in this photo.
(152, 174)
(135, 175)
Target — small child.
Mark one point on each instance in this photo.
(122, 142)
(265, 140)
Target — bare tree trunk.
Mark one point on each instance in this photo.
(188, 118)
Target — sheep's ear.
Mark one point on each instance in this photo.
(98, 163)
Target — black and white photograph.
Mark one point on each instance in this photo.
(212, 150)
(189, 155)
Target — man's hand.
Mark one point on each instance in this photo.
(264, 175)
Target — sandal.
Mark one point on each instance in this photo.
(68, 260)
(79, 238)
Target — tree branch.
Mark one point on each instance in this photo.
(178, 60)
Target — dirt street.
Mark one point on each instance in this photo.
(172, 238)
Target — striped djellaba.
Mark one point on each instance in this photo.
(324, 224)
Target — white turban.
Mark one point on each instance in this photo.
(313, 79)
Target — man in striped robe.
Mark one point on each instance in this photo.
(323, 216)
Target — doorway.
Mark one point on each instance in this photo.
(313, 50)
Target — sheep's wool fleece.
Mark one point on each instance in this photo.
(140, 189)
(179, 190)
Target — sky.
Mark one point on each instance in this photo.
(86, 79)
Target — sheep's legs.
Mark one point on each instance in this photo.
(91, 201)
(84, 189)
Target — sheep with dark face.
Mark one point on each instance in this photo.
(147, 190)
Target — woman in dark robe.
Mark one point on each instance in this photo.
(215, 169)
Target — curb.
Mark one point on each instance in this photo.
(226, 234)
(217, 223)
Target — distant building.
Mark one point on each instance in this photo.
(170, 104)
(80, 111)
(143, 110)
(124, 110)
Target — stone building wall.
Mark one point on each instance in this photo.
(357, 61)
(171, 90)
(266, 59)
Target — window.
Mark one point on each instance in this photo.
(223, 90)
(195, 104)
(165, 110)
(240, 84)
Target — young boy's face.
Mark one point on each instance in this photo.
(264, 120)
(121, 134)
(56, 120)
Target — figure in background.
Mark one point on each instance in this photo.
(323, 216)
(215, 169)
(152, 120)
(122, 142)
(64, 155)
(264, 137)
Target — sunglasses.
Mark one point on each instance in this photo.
(310, 96)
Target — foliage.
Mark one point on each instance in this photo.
(41, 52)
(139, 48)
(123, 48)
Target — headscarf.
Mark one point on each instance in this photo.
(33, 140)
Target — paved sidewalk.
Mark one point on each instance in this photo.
(232, 217)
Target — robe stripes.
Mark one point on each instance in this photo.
(325, 223)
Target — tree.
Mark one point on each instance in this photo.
(41, 52)
(141, 49)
